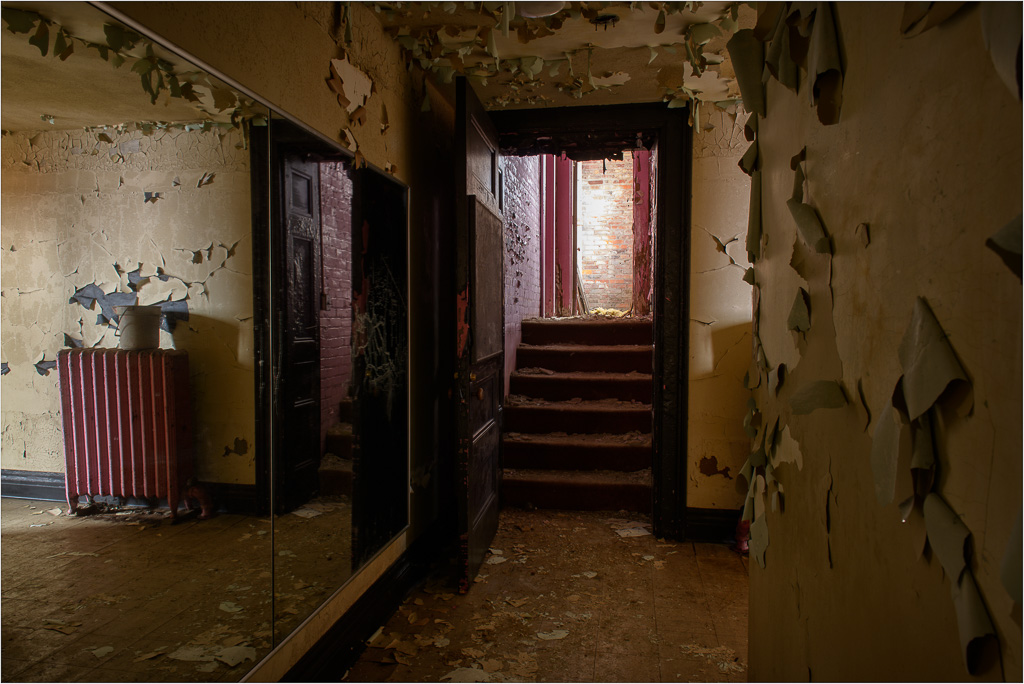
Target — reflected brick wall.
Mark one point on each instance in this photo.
(336, 321)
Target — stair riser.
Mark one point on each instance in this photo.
(335, 482)
(575, 497)
(625, 458)
(539, 419)
(619, 361)
(339, 445)
(638, 332)
(561, 388)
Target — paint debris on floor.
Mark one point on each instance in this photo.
(573, 597)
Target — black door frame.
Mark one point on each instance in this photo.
(617, 127)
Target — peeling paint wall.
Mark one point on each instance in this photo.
(297, 42)
(927, 154)
(162, 218)
(523, 213)
(720, 319)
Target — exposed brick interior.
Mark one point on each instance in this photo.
(336, 320)
(604, 231)
(522, 250)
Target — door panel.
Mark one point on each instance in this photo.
(298, 238)
(480, 330)
(488, 259)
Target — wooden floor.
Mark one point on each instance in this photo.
(129, 597)
(574, 597)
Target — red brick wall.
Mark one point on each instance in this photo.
(522, 250)
(336, 321)
(604, 231)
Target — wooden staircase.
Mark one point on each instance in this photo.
(578, 416)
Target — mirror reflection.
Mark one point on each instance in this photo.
(338, 296)
(204, 360)
(127, 183)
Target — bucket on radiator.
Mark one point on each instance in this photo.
(138, 327)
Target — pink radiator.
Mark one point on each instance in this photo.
(127, 423)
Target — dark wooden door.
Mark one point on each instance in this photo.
(297, 241)
(480, 335)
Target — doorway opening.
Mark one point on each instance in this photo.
(582, 134)
(614, 233)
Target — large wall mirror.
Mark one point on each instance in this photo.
(130, 177)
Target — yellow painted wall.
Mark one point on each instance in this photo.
(720, 327)
(928, 153)
(282, 52)
(72, 217)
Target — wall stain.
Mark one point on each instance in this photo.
(709, 467)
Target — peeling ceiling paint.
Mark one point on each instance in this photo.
(588, 53)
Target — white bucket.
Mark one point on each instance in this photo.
(139, 327)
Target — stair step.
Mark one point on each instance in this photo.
(591, 331)
(335, 475)
(567, 358)
(345, 410)
(546, 384)
(579, 491)
(339, 440)
(608, 416)
(560, 451)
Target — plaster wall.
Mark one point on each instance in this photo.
(720, 314)
(523, 211)
(75, 213)
(282, 51)
(927, 152)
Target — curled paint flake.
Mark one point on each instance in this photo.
(44, 367)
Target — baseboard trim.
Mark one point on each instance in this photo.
(43, 486)
(29, 484)
(340, 648)
(711, 524)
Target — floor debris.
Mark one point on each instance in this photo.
(587, 605)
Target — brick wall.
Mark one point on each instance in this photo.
(522, 250)
(604, 231)
(336, 320)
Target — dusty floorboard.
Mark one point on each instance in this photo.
(574, 597)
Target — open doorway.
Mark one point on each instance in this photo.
(564, 139)
(614, 236)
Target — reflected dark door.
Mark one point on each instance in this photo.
(297, 241)
(480, 335)
(380, 349)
